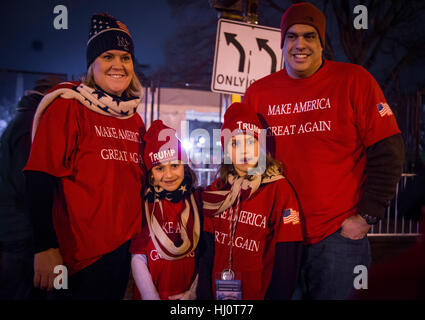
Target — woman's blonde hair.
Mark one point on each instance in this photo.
(224, 170)
(135, 88)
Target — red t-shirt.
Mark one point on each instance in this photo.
(270, 216)
(170, 277)
(98, 160)
(319, 128)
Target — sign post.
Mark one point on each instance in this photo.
(244, 53)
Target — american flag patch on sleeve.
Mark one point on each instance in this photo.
(384, 109)
(290, 216)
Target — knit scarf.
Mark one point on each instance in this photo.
(188, 220)
(238, 190)
(94, 99)
(175, 196)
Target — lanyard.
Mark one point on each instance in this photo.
(232, 228)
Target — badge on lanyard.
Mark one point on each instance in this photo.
(228, 289)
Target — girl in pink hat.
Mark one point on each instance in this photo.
(252, 228)
(164, 254)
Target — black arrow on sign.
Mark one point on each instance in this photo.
(262, 44)
(231, 38)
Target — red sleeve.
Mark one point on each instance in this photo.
(55, 142)
(374, 117)
(286, 213)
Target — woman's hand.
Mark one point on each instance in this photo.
(44, 264)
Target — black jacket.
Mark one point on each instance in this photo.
(15, 145)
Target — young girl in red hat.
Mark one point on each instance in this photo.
(163, 255)
(252, 231)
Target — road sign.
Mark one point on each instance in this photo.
(244, 53)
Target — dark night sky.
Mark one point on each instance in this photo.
(30, 41)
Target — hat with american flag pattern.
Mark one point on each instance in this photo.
(107, 33)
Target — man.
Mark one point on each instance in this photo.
(16, 244)
(340, 144)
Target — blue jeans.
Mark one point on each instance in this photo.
(327, 268)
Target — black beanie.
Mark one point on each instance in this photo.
(107, 33)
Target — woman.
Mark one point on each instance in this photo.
(164, 262)
(85, 172)
(252, 227)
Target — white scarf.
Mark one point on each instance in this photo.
(95, 100)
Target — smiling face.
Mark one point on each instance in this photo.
(168, 175)
(302, 51)
(113, 71)
(244, 150)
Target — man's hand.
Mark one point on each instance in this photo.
(354, 227)
(44, 263)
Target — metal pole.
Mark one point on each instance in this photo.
(146, 105)
(418, 111)
(402, 184)
(157, 110)
(221, 106)
(152, 100)
(395, 208)
(388, 219)
(251, 11)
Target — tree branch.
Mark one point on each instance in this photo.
(273, 5)
(395, 71)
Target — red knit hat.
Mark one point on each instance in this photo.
(161, 145)
(239, 119)
(303, 13)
